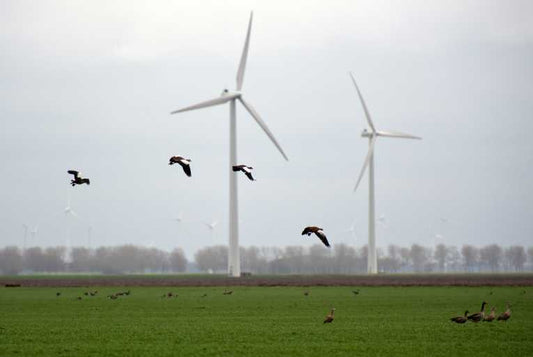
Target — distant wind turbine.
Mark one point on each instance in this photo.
(69, 213)
(25, 226)
(211, 226)
(234, 266)
(372, 134)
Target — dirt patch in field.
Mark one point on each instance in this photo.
(290, 280)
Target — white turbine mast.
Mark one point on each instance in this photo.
(372, 134)
(69, 213)
(234, 265)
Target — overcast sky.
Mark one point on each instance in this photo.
(89, 86)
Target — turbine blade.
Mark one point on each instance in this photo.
(397, 134)
(207, 103)
(244, 56)
(367, 160)
(367, 114)
(262, 124)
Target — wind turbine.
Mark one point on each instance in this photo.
(211, 226)
(372, 134)
(69, 212)
(234, 265)
(25, 226)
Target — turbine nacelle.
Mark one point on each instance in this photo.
(229, 93)
(367, 134)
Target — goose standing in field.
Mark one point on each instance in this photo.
(78, 180)
(504, 316)
(460, 319)
(329, 317)
(227, 292)
(490, 317)
(478, 316)
(319, 233)
(246, 169)
(184, 163)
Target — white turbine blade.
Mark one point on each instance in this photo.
(397, 134)
(207, 103)
(367, 160)
(262, 124)
(367, 114)
(244, 56)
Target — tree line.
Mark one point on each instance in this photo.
(315, 259)
(106, 260)
(345, 259)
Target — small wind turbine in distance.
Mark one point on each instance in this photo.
(33, 232)
(372, 134)
(211, 226)
(69, 212)
(25, 226)
(234, 267)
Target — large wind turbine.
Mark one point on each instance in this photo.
(372, 134)
(234, 267)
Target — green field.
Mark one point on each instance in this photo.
(262, 321)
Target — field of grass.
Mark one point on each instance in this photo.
(262, 321)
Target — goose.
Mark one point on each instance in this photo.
(246, 169)
(490, 317)
(460, 319)
(319, 233)
(355, 292)
(184, 163)
(227, 292)
(504, 316)
(329, 317)
(78, 180)
(478, 316)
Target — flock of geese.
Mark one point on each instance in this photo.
(186, 166)
(481, 316)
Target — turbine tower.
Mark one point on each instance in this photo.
(234, 267)
(372, 134)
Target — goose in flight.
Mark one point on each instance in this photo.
(246, 169)
(319, 233)
(184, 163)
(78, 180)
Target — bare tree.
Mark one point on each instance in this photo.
(81, 259)
(440, 255)
(491, 255)
(212, 258)
(419, 256)
(516, 257)
(11, 261)
(454, 259)
(470, 257)
(178, 262)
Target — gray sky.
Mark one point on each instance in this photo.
(89, 86)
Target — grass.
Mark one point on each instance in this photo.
(260, 321)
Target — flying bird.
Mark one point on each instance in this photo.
(460, 319)
(246, 169)
(329, 317)
(78, 180)
(184, 163)
(319, 233)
